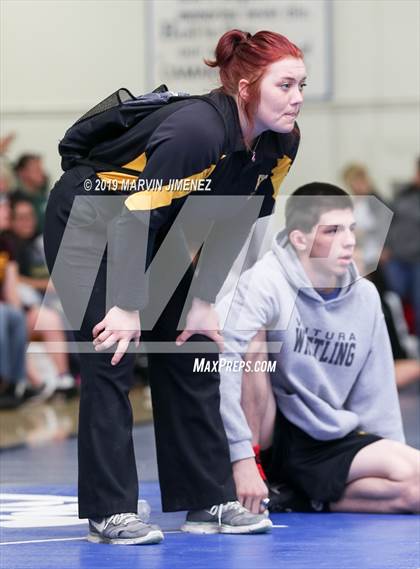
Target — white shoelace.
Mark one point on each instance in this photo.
(220, 508)
(117, 519)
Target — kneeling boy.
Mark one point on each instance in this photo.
(329, 410)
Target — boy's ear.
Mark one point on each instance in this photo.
(243, 90)
(299, 240)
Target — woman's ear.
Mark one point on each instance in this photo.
(299, 240)
(243, 90)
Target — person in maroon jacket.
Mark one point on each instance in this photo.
(238, 141)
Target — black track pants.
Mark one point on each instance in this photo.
(193, 455)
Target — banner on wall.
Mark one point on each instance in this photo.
(181, 33)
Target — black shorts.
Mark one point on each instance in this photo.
(319, 469)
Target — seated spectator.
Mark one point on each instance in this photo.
(32, 183)
(45, 322)
(328, 414)
(14, 389)
(372, 221)
(28, 245)
(402, 271)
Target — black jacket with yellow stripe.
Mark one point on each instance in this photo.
(176, 146)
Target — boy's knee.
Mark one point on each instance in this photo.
(409, 488)
(406, 474)
(410, 495)
(403, 470)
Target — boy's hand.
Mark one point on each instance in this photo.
(250, 487)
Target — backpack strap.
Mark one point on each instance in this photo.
(208, 100)
(99, 166)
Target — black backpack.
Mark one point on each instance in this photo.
(111, 118)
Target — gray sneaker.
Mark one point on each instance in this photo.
(231, 517)
(123, 529)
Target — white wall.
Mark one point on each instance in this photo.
(374, 116)
(58, 58)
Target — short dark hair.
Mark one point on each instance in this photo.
(23, 160)
(304, 214)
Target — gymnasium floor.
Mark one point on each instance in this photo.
(40, 530)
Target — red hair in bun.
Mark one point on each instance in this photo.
(240, 55)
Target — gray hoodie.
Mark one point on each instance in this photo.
(334, 371)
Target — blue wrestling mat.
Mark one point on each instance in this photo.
(40, 530)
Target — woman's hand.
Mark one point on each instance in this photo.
(118, 326)
(250, 487)
(202, 319)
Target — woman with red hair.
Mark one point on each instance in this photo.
(237, 141)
